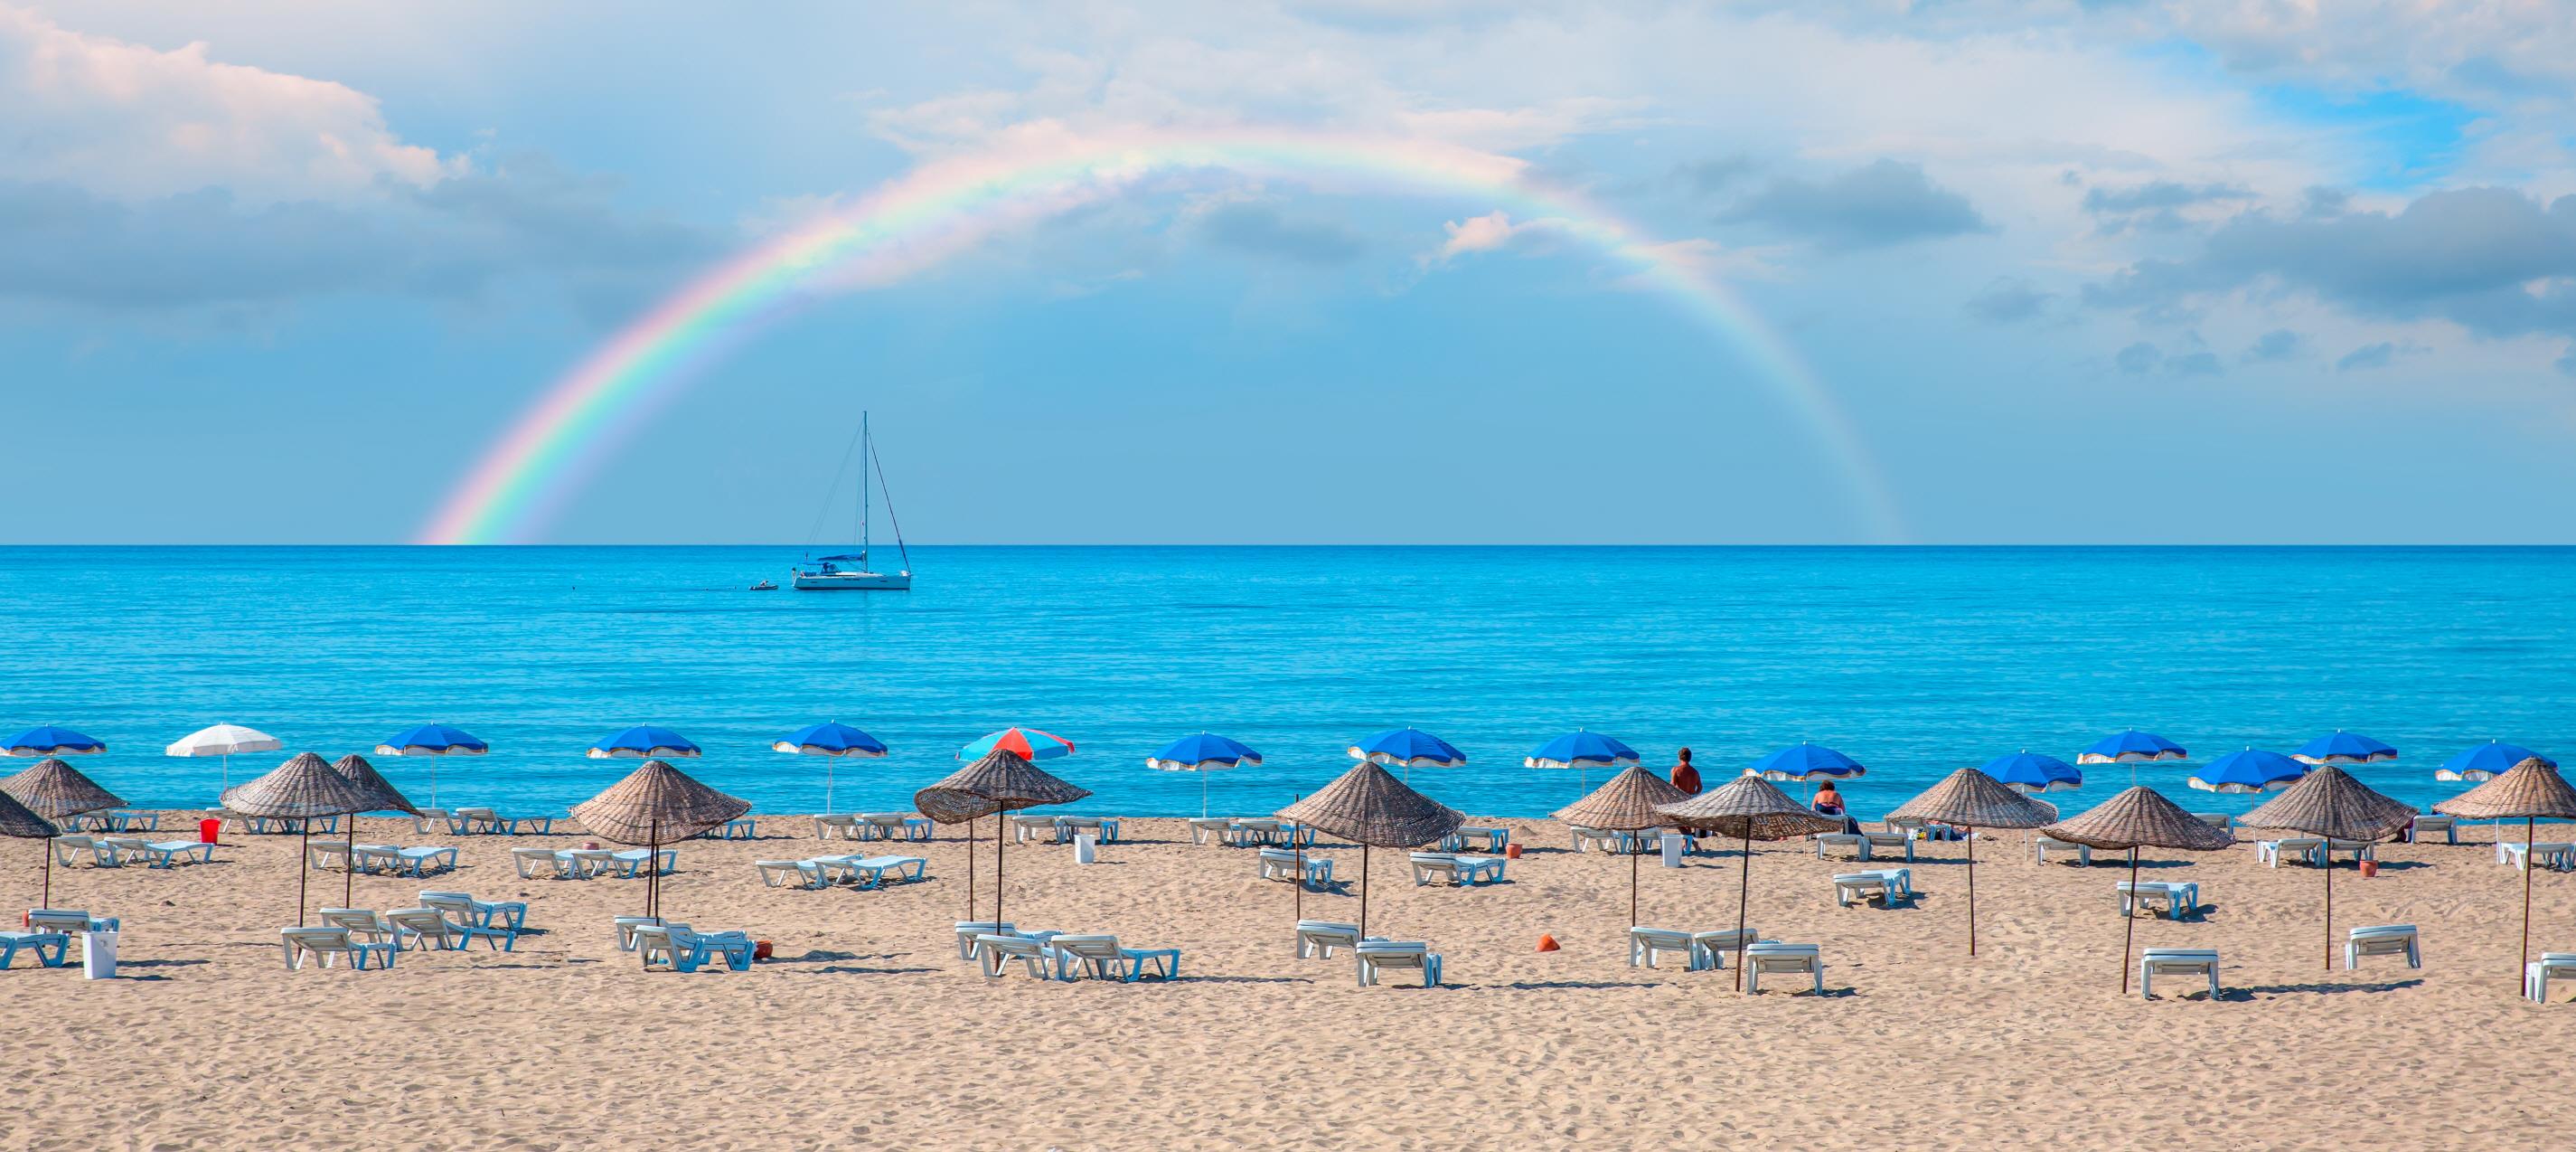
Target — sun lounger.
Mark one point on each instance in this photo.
(1202, 828)
(68, 920)
(1716, 946)
(1890, 842)
(968, 930)
(584, 863)
(1253, 833)
(871, 871)
(1283, 863)
(2179, 899)
(1027, 828)
(130, 820)
(2216, 819)
(685, 949)
(1320, 937)
(1100, 958)
(1783, 960)
(50, 948)
(2156, 962)
(1646, 945)
(1496, 839)
(1612, 840)
(329, 945)
(475, 822)
(1381, 956)
(1855, 842)
(528, 825)
(2359, 850)
(806, 873)
(416, 928)
(535, 862)
(893, 826)
(2382, 940)
(68, 851)
(845, 827)
(1000, 952)
(1867, 886)
(2308, 848)
(404, 861)
(743, 828)
(2551, 965)
(625, 928)
(2039, 846)
(1103, 829)
(428, 820)
(1444, 867)
(168, 853)
(2448, 827)
(2521, 854)
(465, 909)
(631, 863)
(359, 923)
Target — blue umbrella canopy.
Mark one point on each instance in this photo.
(2131, 747)
(2031, 772)
(433, 740)
(2251, 770)
(831, 738)
(642, 742)
(1200, 753)
(2488, 761)
(1409, 747)
(1809, 762)
(47, 740)
(2341, 747)
(1582, 749)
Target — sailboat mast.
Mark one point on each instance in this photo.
(865, 448)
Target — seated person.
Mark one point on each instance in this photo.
(1830, 803)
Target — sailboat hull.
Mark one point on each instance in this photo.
(854, 581)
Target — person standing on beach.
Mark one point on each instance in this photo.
(1685, 777)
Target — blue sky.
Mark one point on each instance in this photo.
(2158, 271)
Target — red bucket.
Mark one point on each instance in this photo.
(2370, 867)
(207, 830)
(1512, 851)
(760, 950)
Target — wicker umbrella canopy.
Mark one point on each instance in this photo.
(301, 789)
(1627, 803)
(1372, 808)
(998, 781)
(1972, 800)
(2139, 817)
(654, 805)
(1747, 808)
(381, 793)
(17, 822)
(2329, 802)
(2532, 789)
(54, 790)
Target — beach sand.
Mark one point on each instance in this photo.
(867, 1030)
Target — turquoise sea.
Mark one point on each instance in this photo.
(1913, 660)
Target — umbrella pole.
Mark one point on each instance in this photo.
(1743, 891)
(303, 852)
(2130, 939)
(1632, 889)
(1203, 796)
(829, 763)
(47, 900)
(2329, 904)
(970, 868)
(2522, 962)
(1364, 890)
(1972, 891)
(349, 868)
(998, 827)
(653, 874)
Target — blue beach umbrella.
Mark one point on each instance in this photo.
(833, 739)
(47, 740)
(1807, 762)
(642, 742)
(2251, 770)
(1025, 743)
(2341, 747)
(2131, 747)
(2488, 761)
(1203, 753)
(1582, 750)
(1408, 748)
(2032, 773)
(433, 740)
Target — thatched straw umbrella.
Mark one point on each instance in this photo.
(382, 797)
(2328, 802)
(1971, 799)
(2531, 789)
(1750, 808)
(18, 823)
(1626, 804)
(1002, 781)
(654, 805)
(302, 789)
(2139, 817)
(57, 792)
(1372, 809)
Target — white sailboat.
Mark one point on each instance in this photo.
(851, 571)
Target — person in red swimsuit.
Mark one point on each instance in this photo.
(1685, 777)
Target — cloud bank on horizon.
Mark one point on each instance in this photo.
(2070, 265)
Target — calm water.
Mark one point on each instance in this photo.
(1914, 661)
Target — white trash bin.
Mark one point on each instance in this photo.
(1673, 844)
(98, 955)
(1086, 848)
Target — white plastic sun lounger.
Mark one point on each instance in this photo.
(685, 949)
(1282, 864)
(1496, 839)
(418, 861)
(2179, 899)
(1204, 828)
(1320, 937)
(1103, 829)
(2448, 827)
(1027, 828)
(429, 927)
(1101, 958)
(2156, 962)
(68, 850)
(837, 826)
(1000, 952)
(1863, 887)
(625, 928)
(779, 873)
(893, 826)
(1377, 957)
(2308, 848)
(2551, 966)
(968, 930)
(359, 923)
(51, 949)
(1646, 945)
(2548, 854)
(329, 945)
(872, 871)
(476, 822)
(2382, 940)
(631, 862)
(2215, 819)
(1855, 842)
(2040, 845)
(1888, 842)
(169, 853)
(512, 915)
(326, 856)
(427, 820)
(1783, 960)
(68, 920)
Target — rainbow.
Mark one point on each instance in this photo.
(947, 206)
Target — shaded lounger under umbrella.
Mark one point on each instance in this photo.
(2328, 802)
(2139, 817)
(1582, 750)
(1001, 781)
(224, 740)
(433, 740)
(1371, 809)
(1747, 808)
(1628, 802)
(50, 740)
(303, 789)
(382, 796)
(57, 791)
(654, 805)
(833, 739)
(1971, 799)
(2532, 790)
(1204, 753)
(17, 823)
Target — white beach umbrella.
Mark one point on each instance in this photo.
(224, 740)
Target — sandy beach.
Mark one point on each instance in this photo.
(866, 1028)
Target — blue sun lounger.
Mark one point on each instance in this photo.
(630, 862)
(51, 948)
(686, 949)
(165, 853)
(870, 871)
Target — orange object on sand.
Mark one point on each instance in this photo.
(1546, 943)
(760, 950)
(2370, 867)
(1511, 851)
